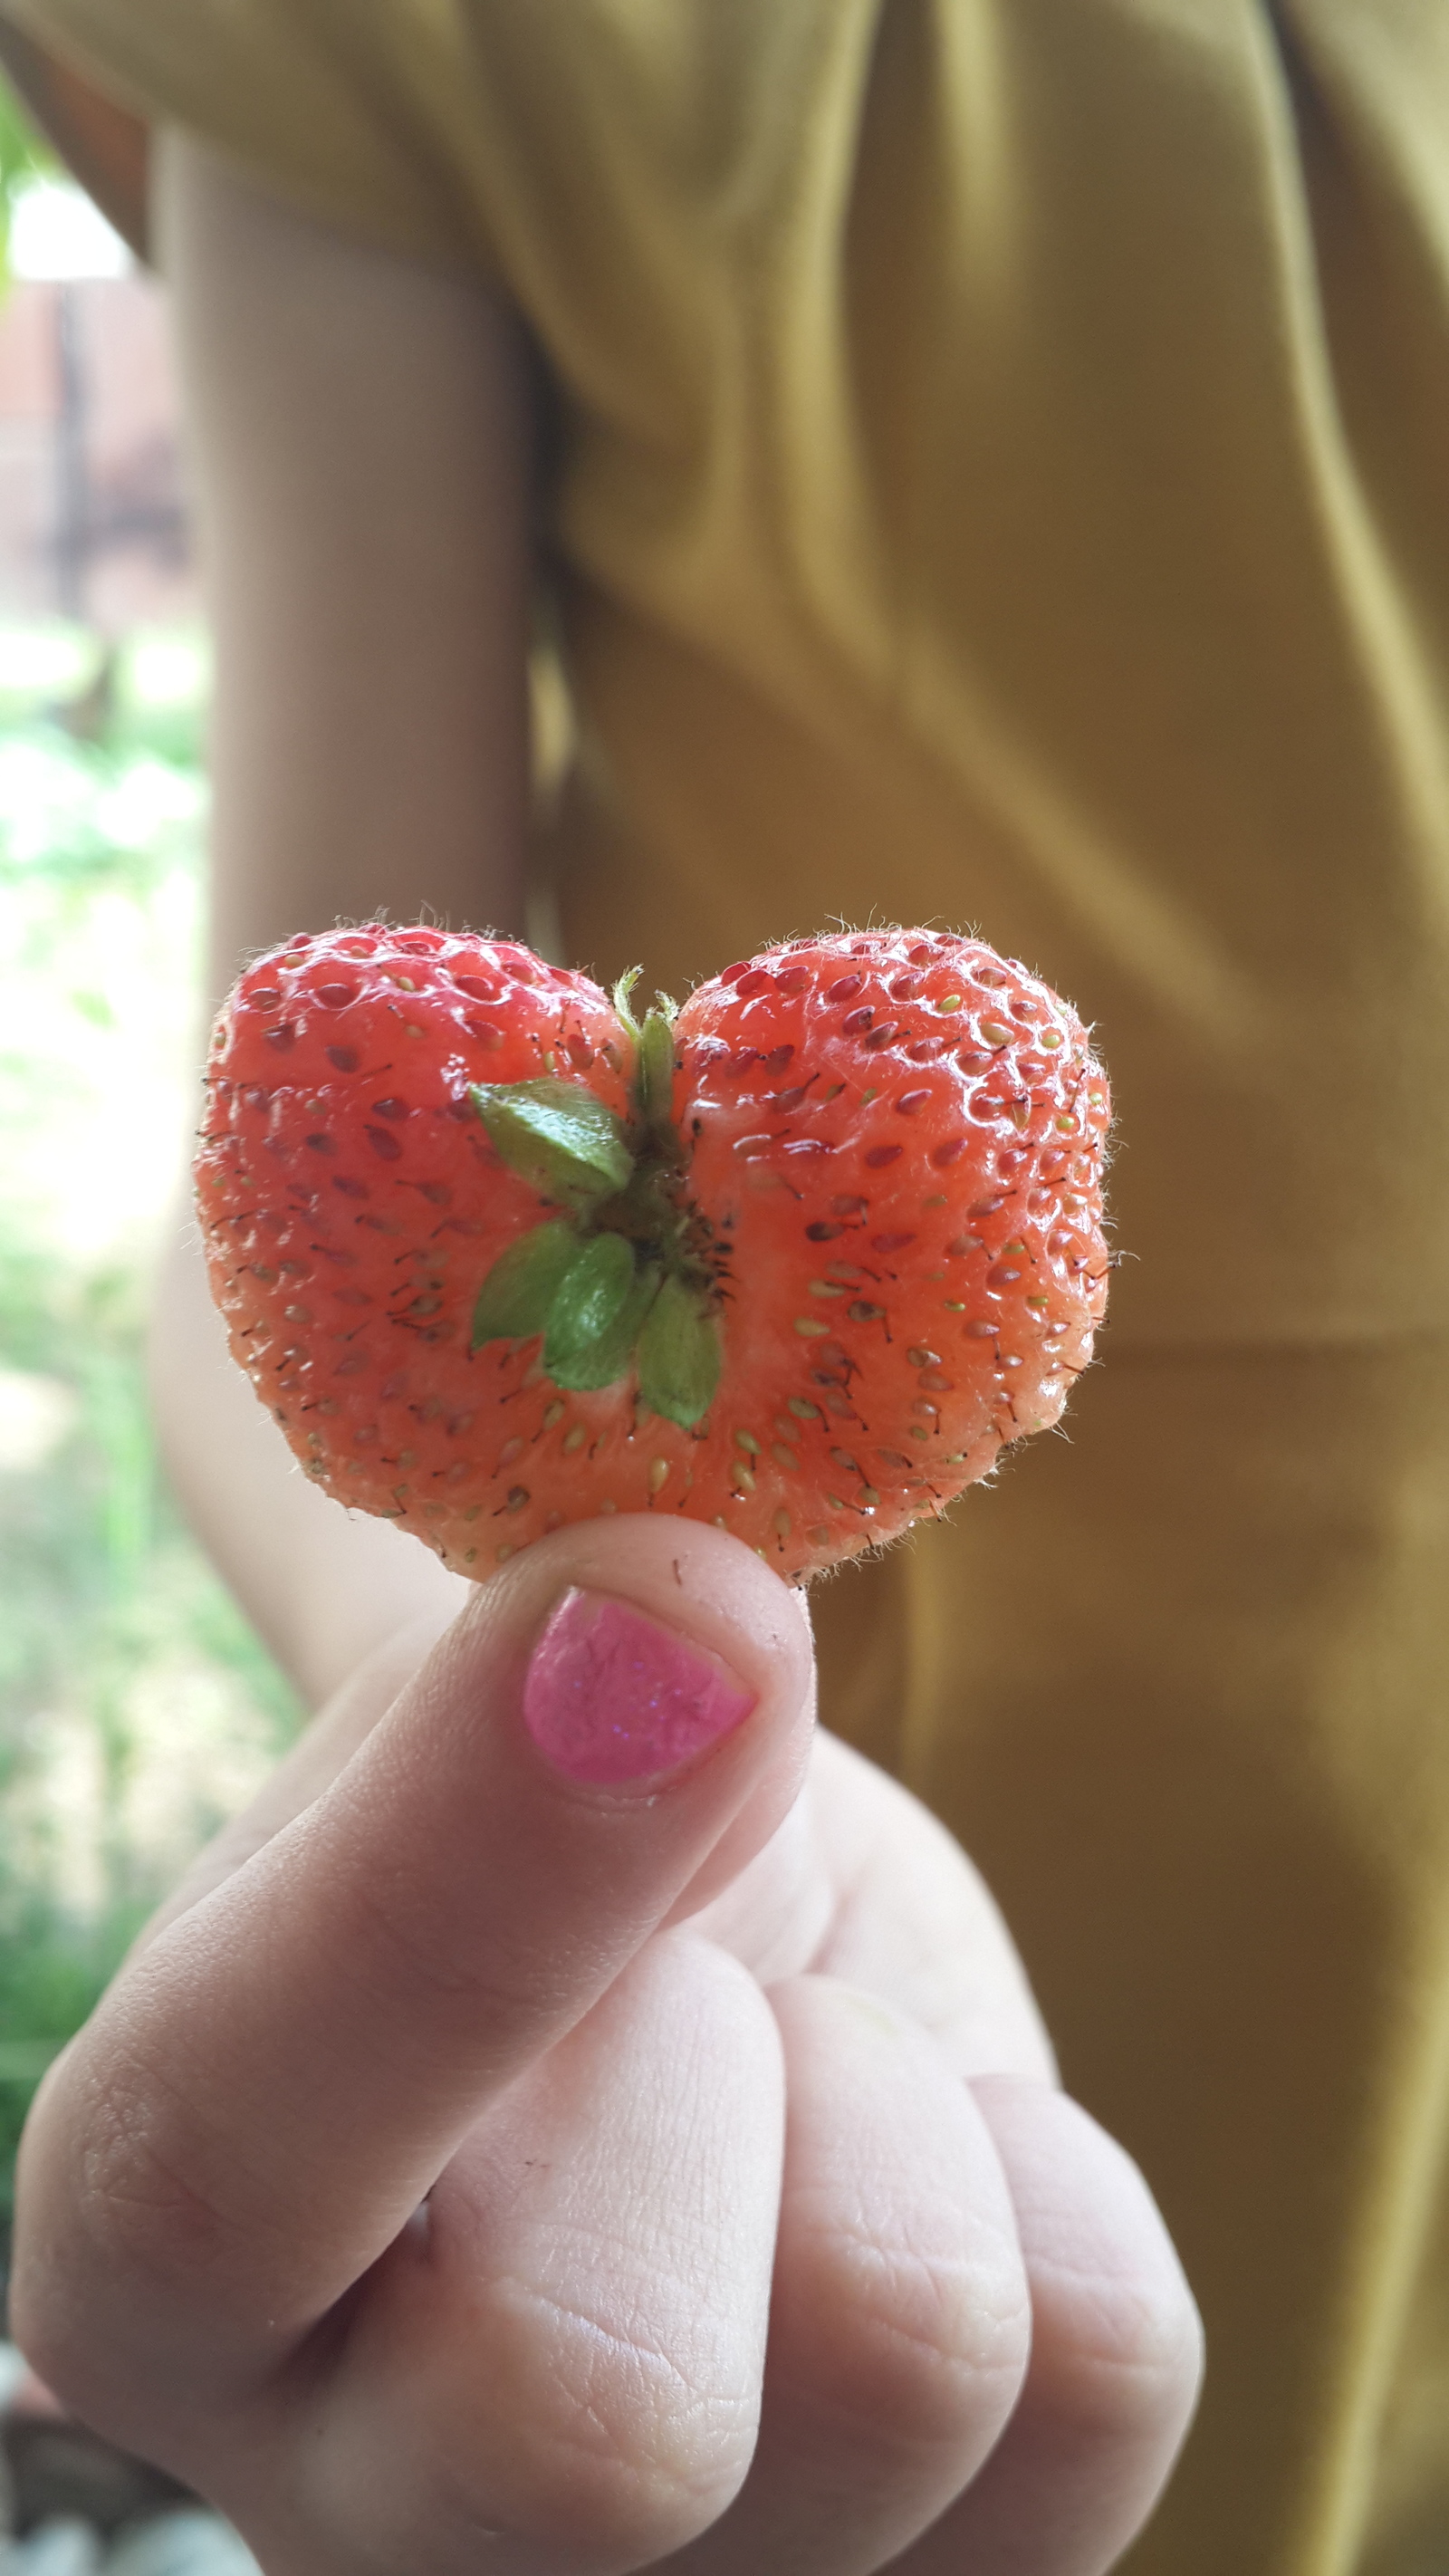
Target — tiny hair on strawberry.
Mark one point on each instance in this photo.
(499, 1252)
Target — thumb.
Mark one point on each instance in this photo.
(632, 1653)
(616, 1721)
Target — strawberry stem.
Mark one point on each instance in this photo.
(622, 1002)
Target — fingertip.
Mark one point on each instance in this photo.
(611, 1696)
(577, 1609)
(698, 1581)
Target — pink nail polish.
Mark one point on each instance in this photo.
(610, 1695)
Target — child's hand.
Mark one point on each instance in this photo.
(483, 2165)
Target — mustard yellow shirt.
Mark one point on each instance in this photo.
(1006, 480)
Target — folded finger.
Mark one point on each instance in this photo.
(278, 2080)
(1115, 2362)
(566, 2350)
(899, 2325)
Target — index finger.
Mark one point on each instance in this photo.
(273, 2086)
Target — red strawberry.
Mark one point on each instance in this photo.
(496, 1258)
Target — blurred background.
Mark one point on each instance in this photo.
(135, 1706)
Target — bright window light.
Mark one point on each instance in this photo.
(56, 232)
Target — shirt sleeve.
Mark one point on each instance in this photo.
(303, 92)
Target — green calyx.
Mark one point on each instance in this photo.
(621, 1274)
(559, 1136)
(596, 1316)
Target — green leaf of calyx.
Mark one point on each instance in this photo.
(597, 1313)
(679, 1354)
(517, 1296)
(559, 1137)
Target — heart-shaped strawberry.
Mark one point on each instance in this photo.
(799, 1260)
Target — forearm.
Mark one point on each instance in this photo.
(358, 434)
(358, 428)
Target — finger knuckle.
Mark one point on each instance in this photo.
(1120, 2351)
(140, 2212)
(627, 2450)
(916, 2343)
(111, 2246)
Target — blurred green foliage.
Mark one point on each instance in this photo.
(136, 1706)
(112, 1624)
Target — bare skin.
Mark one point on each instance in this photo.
(471, 2167)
